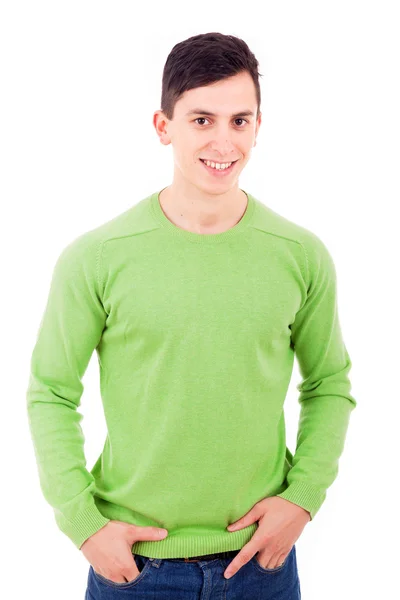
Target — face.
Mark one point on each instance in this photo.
(226, 135)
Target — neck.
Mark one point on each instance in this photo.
(200, 212)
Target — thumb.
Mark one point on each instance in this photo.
(148, 533)
(252, 516)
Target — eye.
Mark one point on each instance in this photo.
(240, 119)
(200, 119)
(204, 119)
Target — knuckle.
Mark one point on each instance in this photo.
(111, 574)
(261, 539)
(245, 557)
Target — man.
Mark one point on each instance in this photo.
(196, 299)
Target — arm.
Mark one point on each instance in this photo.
(325, 399)
(70, 329)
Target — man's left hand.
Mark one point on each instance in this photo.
(280, 523)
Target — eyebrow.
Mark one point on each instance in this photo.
(199, 111)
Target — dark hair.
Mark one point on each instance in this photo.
(201, 60)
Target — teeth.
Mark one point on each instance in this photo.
(218, 166)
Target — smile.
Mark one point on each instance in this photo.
(216, 171)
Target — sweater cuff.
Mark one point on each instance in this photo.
(85, 524)
(308, 496)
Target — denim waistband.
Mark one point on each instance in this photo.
(225, 554)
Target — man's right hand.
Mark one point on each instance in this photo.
(109, 550)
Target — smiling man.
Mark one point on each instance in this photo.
(211, 146)
(197, 300)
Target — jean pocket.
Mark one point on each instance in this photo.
(276, 569)
(143, 563)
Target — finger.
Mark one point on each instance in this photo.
(148, 533)
(275, 561)
(242, 558)
(248, 519)
(115, 577)
(132, 571)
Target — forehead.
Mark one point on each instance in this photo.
(202, 111)
(233, 95)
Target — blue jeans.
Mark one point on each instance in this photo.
(200, 577)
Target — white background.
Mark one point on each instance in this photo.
(80, 82)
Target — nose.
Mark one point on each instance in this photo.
(222, 145)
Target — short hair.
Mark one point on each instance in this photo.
(204, 59)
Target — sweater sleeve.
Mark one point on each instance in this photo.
(325, 398)
(69, 331)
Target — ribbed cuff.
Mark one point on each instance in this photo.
(84, 525)
(305, 495)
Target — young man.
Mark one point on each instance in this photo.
(197, 300)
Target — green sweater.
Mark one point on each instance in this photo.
(195, 336)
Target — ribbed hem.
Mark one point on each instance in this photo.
(305, 495)
(202, 238)
(182, 547)
(83, 526)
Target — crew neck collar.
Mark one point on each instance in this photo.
(202, 238)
